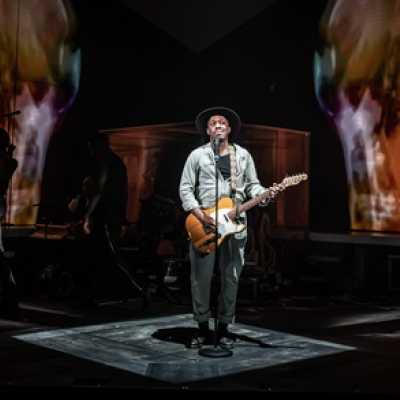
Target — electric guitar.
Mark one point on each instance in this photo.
(204, 240)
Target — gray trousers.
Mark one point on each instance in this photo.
(231, 261)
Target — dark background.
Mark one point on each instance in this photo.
(135, 72)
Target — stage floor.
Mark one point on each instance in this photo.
(311, 344)
(158, 348)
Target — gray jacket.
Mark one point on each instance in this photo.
(197, 186)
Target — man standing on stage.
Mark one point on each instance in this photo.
(237, 178)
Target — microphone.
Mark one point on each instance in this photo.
(216, 142)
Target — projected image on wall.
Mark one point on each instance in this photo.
(39, 76)
(357, 82)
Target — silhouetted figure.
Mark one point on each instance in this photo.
(8, 290)
(100, 213)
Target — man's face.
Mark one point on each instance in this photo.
(218, 127)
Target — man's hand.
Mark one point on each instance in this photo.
(275, 190)
(207, 221)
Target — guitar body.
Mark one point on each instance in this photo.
(204, 241)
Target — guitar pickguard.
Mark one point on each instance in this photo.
(226, 226)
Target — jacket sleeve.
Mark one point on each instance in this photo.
(187, 184)
(253, 187)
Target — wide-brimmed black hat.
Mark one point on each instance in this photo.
(233, 118)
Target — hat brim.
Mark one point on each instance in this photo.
(233, 118)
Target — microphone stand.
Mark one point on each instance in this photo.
(215, 351)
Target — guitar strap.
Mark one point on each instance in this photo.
(232, 159)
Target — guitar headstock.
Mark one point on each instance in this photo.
(291, 180)
(294, 179)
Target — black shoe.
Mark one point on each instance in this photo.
(203, 337)
(225, 338)
(197, 342)
(226, 342)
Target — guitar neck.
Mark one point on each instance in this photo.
(286, 182)
(250, 204)
(253, 202)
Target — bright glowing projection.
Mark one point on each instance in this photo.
(39, 75)
(357, 82)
